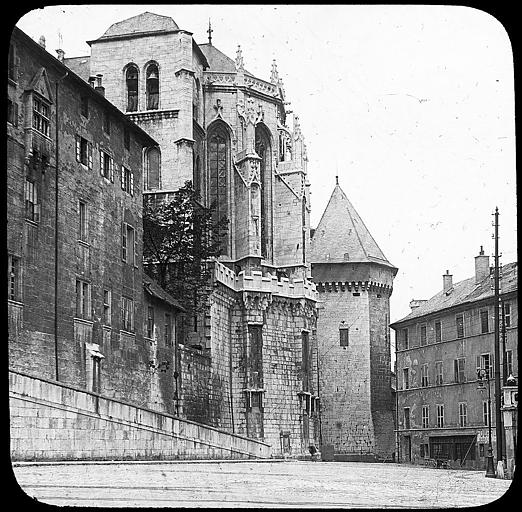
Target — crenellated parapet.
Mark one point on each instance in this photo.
(355, 286)
(256, 282)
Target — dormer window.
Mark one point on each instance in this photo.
(152, 87)
(131, 80)
(41, 116)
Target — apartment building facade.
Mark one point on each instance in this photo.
(443, 411)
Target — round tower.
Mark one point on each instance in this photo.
(354, 280)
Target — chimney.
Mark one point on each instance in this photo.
(481, 266)
(415, 303)
(447, 282)
(99, 86)
(60, 54)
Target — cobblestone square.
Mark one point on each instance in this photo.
(296, 484)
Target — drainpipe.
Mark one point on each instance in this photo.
(57, 374)
(397, 436)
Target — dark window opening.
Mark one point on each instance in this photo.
(484, 321)
(32, 205)
(344, 336)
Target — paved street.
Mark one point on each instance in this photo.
(256, 484)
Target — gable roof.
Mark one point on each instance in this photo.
(218, 61)
(342, 236)
(464, 292)
(40, 84)
(155, 290)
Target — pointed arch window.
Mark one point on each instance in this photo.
(131, 83)
(218, 158)
(152, 179)
(263, 149)
(152, 87)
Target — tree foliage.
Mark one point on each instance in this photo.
(180, 237)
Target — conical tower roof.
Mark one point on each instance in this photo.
(342, 236)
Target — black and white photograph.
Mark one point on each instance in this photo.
(261, 256)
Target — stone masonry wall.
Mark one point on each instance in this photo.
(172, 53)
(382, 399)
(50, 421)
(96, 260)
(345, 373)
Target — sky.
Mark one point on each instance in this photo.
(411, 106)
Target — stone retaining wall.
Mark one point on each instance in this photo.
(51, 421)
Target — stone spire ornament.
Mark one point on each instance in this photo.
(239, 59)
(274, 76)
(209, 32)
(281, 88)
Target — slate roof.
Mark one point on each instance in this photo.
(343, 236)
(466, 291)
(79, 65)
(218, 61)
(154, 289)
(144, 22)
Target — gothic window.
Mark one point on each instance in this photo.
(131, 82)
(303, 226)
(263, 149)
(218, 157)
(152, 88)
(152, 181)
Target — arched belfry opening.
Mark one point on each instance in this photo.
(263, 147)
(152, 86)
(131, 88)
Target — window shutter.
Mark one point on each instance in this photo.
(78, 149)
(123, 242)
(122, 177)
(89, 150)
(15, 114)
(131, 182)
(111, 169)
(491, 366)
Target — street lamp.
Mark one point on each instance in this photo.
(483, 374)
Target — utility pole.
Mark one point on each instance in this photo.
(498, 391)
